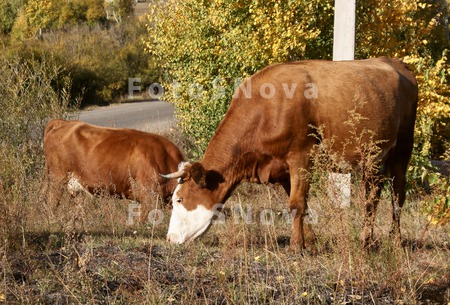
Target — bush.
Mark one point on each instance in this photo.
(399, 28)
(8, 12)
(207, 47)
(431, 135)
(109, 57)
(31, 93)
(434, 104)
(98, 44)
(98, 60)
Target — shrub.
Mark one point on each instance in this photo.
(8, 13)
(98, 61)
(99, 56)
(207, 47)
(105, 60)
(399, 28)
(431, 134)
(434, 103)
(31, 92)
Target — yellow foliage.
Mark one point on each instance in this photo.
(200, 42)
(433, 114)
(39, 13)
(434, 99)
(433, 89)
(399, 28)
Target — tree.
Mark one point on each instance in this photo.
(120, 9)
(8, 14)
(40, 15)
(96, 11)
(207, 47)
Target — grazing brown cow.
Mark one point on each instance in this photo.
(123, 162)
(265, 137)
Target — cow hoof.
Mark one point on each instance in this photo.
(395, 234)
(310, 251)
(302, 248)
(296, 249)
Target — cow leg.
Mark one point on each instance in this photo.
(145, 197)
(373, 183)
(302, 235)
(373, 192)
(54, 190)
(398, 166)
(398, 174)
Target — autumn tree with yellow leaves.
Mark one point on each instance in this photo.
(206, 48)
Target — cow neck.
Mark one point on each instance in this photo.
(168, 187)
(219, 158)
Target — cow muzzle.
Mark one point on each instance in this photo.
(174, 238)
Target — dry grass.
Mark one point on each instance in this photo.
(86, 254)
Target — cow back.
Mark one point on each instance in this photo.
(108, 157)
(275, 112)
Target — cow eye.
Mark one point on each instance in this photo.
(179, 200)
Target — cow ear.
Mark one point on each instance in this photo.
(198, 174)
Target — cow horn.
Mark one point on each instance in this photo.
(179, 174)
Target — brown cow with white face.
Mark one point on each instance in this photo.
(124, 162)
(265, 137)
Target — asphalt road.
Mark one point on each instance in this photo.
(151, 116)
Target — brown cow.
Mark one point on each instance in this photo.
(124, 162)
(265, 136)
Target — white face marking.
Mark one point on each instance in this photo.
(187, 225)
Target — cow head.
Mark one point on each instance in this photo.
(193, 202)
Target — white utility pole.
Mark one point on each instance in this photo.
(344, 29)
(339, 185)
